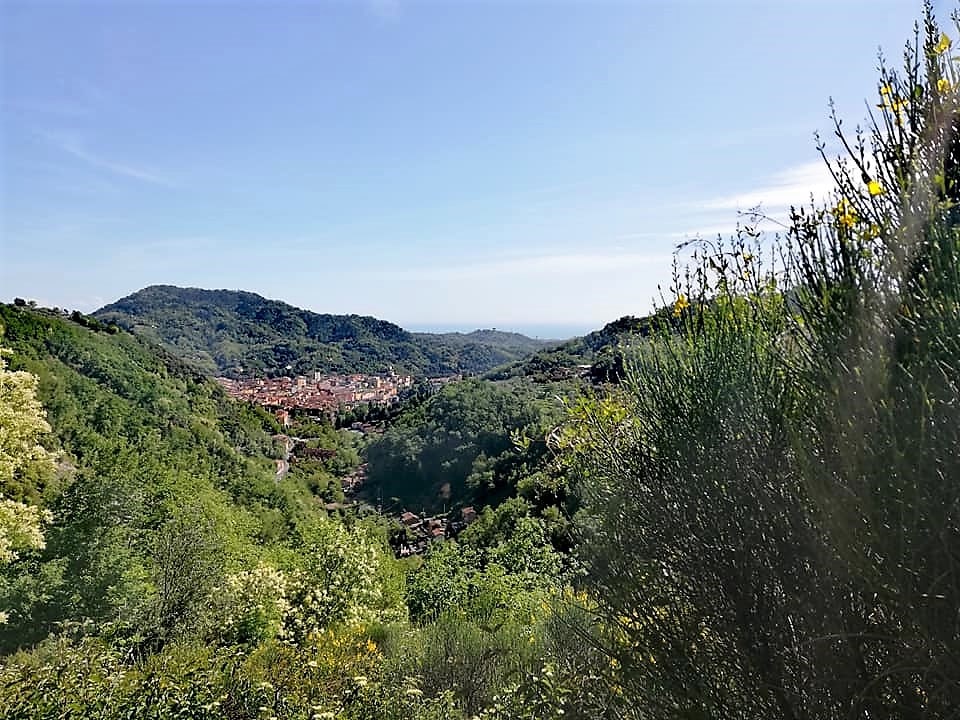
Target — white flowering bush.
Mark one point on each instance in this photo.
(21, 528)
(22, 423)
(252, 605)
(342, 579)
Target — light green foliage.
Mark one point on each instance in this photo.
(470, 660)
(188, 562)
(143, 438)
(541, 696)
(22, 423)
(444, 581)
(527, 552)
(21, 528)
(337, 679)
(487, 583)
(250, 605)
(481, 622)
(343, 576)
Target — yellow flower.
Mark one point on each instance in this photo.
(874, 188)
(941, 47)
(680, 305)
(885, 90)
(944, 86)
(845, 216)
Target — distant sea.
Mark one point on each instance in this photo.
(545, 331)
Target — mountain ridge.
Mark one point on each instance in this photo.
(240, 332)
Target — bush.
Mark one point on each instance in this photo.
(774, 520)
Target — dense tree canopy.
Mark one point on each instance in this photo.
(471, 442)
(220, 331)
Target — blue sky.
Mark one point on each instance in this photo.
(485, 163)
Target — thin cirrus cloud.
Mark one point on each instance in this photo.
(791, 186)
(75, 148)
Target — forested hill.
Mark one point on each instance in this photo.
(144, 443)
(601, 350)
(507, 341)
(219, 331)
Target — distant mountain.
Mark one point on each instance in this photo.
(598, 354)
(222, 331)
(507, 341)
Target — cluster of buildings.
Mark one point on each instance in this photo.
(422, 530)
(320, 393)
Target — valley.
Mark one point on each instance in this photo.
(739, 503)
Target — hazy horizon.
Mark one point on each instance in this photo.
(546, 330)
(537, 331)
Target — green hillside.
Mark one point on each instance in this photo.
(599, 354)
(144, 443)
(472, 443)
(160, 567)
(220, 331)
(510, 342)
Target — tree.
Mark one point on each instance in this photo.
(22, 423)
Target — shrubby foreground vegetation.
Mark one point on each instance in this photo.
(762, 516)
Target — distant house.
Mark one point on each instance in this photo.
(468, 514)
(409, 519)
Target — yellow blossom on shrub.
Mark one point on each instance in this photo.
(941, 47)
(874, 188)
(944, 86)
(680, 305)
(845, 215)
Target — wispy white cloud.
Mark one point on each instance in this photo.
(792, 186)
(74, 147)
